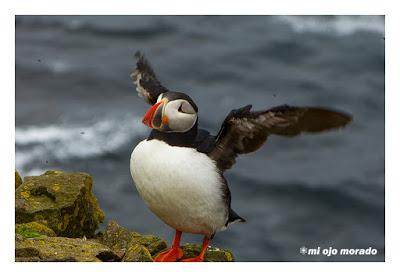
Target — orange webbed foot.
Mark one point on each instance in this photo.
(170, 255)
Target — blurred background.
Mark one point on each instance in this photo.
(77, 110)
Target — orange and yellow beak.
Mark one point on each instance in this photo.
(149, 115)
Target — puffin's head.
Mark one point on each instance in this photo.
(173, 112)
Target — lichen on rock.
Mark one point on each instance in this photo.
(152, 243)
(117, 237)
(33, 230)
(137, 253)
(62, 249)
(57, 211)
(213, 254)
(126, 243)
(64, 200)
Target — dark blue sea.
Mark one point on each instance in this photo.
(77, 110)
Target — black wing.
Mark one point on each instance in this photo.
(146, 82)
(244, 131)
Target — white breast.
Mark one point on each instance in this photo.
(180, 185)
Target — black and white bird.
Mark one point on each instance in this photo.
(179, 169)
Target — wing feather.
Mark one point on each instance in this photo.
(145, 80)
(244, 131)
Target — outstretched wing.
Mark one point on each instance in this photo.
(147, 85)
(244, 131)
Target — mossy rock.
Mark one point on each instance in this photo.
(137, 253)
(152, 243)
(121, 241)
(33, 230)
(213, 254)
(62, 249)
(64, 200)
(117, 237)
(18, 179)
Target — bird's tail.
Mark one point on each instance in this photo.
(234, 217)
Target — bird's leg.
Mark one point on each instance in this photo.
(200, 257)
(172, 254)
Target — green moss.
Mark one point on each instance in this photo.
(26, 233)
(33, 230)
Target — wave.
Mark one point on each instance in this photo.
(149, 27)
(34, 144)
(340, 24)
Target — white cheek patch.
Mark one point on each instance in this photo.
(179, 121)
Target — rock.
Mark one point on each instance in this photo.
(117, 237)
(55, 210)
(53, 172)
(145, 248)
(134, 247)
(33, 230)
(122, 241)
(152, 243)
(213, 254)
(62, 249)
(18, 179)
(64, 200)
(137, 253)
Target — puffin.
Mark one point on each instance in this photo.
(179, 169)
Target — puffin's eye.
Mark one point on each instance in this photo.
(185, 107)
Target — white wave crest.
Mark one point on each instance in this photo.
(34, 144)
(340, 24)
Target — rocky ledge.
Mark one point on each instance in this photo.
(58, 217)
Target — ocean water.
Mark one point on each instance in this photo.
(77, 110)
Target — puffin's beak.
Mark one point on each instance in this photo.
(148, 117)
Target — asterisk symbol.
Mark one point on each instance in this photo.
(303, 250)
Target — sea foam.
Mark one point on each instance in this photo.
(339, 25)
(60, 142)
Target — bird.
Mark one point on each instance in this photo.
(179, 168)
